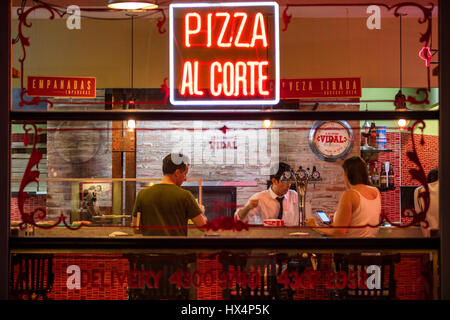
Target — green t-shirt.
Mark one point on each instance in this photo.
(165, 205)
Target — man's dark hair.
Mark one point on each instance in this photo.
(174, 161)
(433, 175)
(355, 169)
(282, 168)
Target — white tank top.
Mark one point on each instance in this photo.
(368, 212)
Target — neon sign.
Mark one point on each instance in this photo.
(224, 53)
(427, 56)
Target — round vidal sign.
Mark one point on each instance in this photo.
(331, 140)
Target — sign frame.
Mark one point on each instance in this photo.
(51, 93)
(213, 102)
(331, 158)
(307, 88)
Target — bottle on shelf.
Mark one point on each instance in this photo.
(376, 177)
(369, 174)
(391, 178)
(383, 178)
(373, 135)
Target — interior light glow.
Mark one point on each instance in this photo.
(131, 124)
(402, 123)
(220, 43)
(259, 25)
(241, 78)
(190, 79)
(188, 31)
(237, 42)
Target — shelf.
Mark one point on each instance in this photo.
(384, 190)
(367, 152)
(208, 114)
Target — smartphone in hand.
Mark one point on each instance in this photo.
(323, 217)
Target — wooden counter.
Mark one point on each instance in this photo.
(253, 232)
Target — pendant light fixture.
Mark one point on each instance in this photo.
(402, 123)
(368, 128)
(131, 123)
(400, 99)
(131, 5)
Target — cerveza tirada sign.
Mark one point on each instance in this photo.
(224, 53)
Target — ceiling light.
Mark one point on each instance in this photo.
(402, 123)
(131, 124)
(400, 98)
(267, 124)
(131, 5)
(400, 101)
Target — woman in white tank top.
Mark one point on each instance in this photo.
(358, 206)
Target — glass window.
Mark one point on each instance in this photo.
(111, 166)
(92, 172)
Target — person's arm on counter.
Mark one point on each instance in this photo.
(136, 215)
(195, 212)
(135, 223)
(242, 213)
(342, 218)
(199, 220)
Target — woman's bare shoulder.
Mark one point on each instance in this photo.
(349, 194)
(369, 192)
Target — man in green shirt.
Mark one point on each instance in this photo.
(166, 205)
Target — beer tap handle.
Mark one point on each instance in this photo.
(316, 175)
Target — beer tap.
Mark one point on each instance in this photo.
(301, 178)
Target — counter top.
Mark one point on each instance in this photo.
(98, 239)
(193, 232)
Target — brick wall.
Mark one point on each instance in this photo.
(94, 289)
(428, 154)
(411, 277)
(31, 204)
(20, 155)
(83, 150)
(76, 149)
(100, 281)
(390, 200)
(401, 144)
(195, 138)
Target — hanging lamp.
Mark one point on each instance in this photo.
(131, 5)
(400, 98)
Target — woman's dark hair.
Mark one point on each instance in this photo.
(433, 175)
(355, 169)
